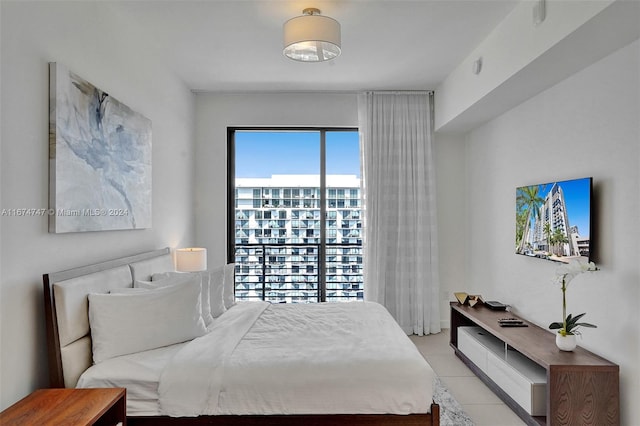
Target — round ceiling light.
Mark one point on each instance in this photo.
(311, 37)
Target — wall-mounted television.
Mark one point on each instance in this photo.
(553, 220)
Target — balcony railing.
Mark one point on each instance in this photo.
(292, 273)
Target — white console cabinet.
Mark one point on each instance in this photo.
(524, 380)
(523, 366)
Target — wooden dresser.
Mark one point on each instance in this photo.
(582, 388)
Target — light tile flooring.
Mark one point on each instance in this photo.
(477, 400)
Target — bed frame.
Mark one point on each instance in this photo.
(64, 359)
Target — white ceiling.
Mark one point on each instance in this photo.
(236, 45)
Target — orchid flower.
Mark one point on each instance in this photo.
(564, 275)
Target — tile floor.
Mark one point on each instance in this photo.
(477, 400)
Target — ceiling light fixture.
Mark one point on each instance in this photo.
(311, 37)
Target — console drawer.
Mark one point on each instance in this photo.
(476, 343)
(522, 379)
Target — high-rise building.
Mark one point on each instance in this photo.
(278, 226)
(553, 218)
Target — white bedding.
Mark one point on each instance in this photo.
(328, 358)
(139, 373)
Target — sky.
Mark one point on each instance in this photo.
(262, 154)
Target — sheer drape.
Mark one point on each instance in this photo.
(400, 242)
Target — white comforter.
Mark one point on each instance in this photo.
(191, 383)
(328, 358)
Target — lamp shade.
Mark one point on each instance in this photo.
(191, 259)
(311, 37)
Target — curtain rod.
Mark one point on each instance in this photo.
(295, 92)
(401, 92)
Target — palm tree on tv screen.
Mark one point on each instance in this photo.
(528, 201)
(559, 238)
(521, 219)
(547, 233)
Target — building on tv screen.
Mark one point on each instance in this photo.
(553, 220)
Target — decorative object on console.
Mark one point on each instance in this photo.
(468, 299)
(566, 342)
(99, 158)
(191, 259)
(495, 305)
(553, 220)
(568, 328)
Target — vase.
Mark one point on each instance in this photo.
(566, 343)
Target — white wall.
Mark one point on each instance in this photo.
(451, 202)
(216, 112)
(587, 125)
(520, 58)
(104, 48)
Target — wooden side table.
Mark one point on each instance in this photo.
(62, 407)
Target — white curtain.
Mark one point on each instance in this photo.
(398, 187)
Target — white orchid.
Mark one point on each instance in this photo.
(569, 271)
(564, 275)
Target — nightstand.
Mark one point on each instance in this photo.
(77, 407)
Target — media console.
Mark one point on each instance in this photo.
(578, 388)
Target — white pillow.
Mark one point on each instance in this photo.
(147, 285)
(127, 290)
(229, 285)
(135, 322)
(164, 279)
(216, 291)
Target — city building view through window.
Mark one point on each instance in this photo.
(297, 210)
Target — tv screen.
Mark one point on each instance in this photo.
(553, 220)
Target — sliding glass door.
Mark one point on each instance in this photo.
(294, 208)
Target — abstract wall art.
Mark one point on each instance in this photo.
(99, 159)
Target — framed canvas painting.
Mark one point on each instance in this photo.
(99, 159)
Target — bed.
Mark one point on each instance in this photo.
(256, 363)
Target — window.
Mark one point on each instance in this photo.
(301, 209)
